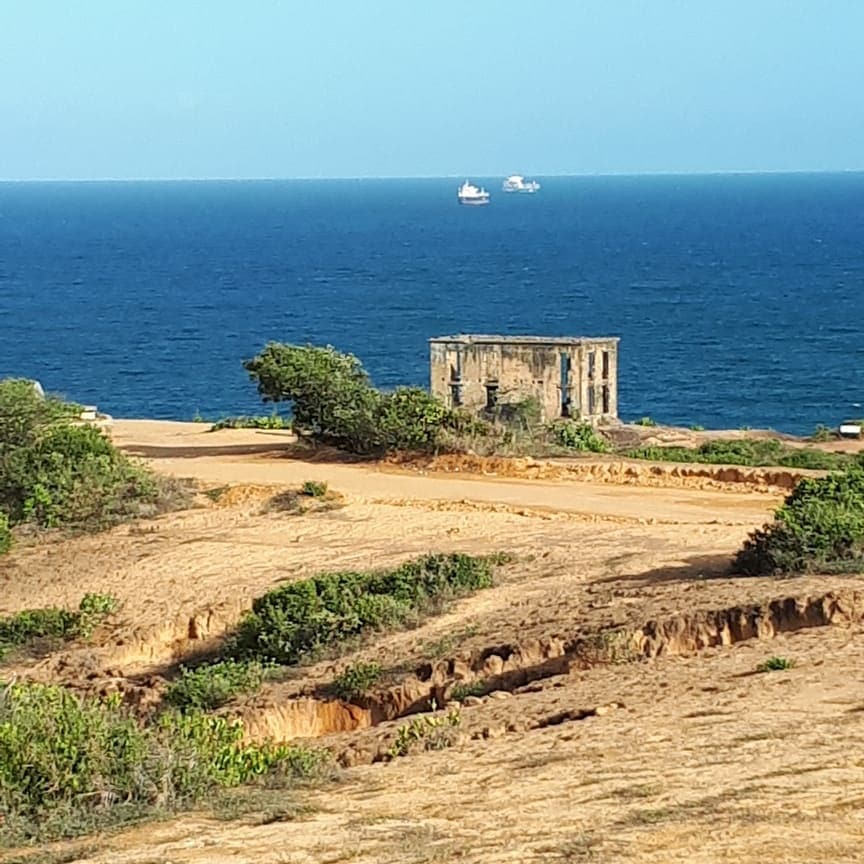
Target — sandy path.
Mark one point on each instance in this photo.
(247, 456)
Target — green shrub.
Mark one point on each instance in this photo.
(525, 414)
(70, 764)
(823, 433)
(52, 623)
(215, 684)
(775, 664)
(432, 732)
(645, 421)
(302, 617)
(54, 473)
(746, 451)
(461, 692)
(267, 421)
(5, 534)
(313, 489)
(410, 419)
(579, 436)
(355, 681)
(819, 528)
(23, 413)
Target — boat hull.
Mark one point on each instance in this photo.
(473, 202)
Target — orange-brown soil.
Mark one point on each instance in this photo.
(615, 710)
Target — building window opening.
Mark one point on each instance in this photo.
(491, 396)
(605, 397)
(456, 395)
(605, 365)
(565, 384)
(592, 365)
(592, 400)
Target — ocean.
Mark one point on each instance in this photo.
(739, 299)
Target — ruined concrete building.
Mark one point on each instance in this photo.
(569, 377)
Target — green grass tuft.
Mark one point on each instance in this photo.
(775, 664)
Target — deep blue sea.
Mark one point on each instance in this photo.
(739, 299)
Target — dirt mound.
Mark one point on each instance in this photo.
(606, 470)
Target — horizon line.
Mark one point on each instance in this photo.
(339, 177)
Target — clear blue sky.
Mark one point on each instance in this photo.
(336, 88)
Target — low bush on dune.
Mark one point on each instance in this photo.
(582, 437)
(55, 473)
(746, 451)
(355, 681)
(69, 764)
(818, 529)
(213, 685)
(302, 617)
(31, 625)
(266, 421)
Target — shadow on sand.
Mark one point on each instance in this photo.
(699, 568)
(274, 450)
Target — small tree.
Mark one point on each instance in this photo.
(333, 401)
(330, 394)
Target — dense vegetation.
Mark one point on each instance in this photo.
(745, 451)
(215, 684)
(69, 765)
(334, 402)
(54, 473)
(819, 528)
(303, 618)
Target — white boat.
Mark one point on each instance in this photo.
(517, 183)
(470, 194)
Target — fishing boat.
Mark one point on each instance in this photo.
(470, 194)
(517, 183)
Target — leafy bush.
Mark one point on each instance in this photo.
(432, 732)
(267, 421)
(314, 489)
(461, 692)
(302, 617)
(5, 533)
(23, 412)
(823, 433)
(645, 421)
(525, 414)
(54, 473)
(52, 623)
(775, 664)
(746, 451)
(70, 764)
(355, 681)
(819, 528)
(579, 436)
(215, 684)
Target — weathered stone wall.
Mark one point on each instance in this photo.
(476, 374)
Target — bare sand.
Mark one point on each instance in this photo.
(688, 756)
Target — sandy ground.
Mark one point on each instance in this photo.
(702, 760)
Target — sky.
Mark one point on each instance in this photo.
(94, 89)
